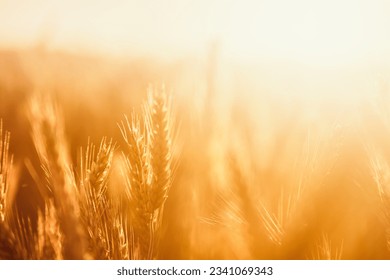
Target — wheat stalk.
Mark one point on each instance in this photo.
(49, 236)
(49, 139)
(148, 172)
(98, 210)
(138, 188)
(25, 238)
(9, 248)
(6, 162)
(158, 114)
(137, 174)
(380, 172)
(326, 251)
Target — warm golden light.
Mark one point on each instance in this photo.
(324, 32)
(183, 129)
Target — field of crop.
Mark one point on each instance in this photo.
(108, 159)
(195, 129)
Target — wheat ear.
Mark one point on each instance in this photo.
(49, 139)
(158, 112)
(138, 176)
(95, 203)
(148, 170)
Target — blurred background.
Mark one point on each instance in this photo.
(282, 112)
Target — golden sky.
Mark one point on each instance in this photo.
(322, 32)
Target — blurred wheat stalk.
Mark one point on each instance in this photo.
(7, 238)
(110, 202)
(83, 217)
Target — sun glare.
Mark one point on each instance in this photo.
(308, 31)
(313, 32)
(194, 129)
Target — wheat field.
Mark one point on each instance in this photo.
(97, 163)
(195, 129)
